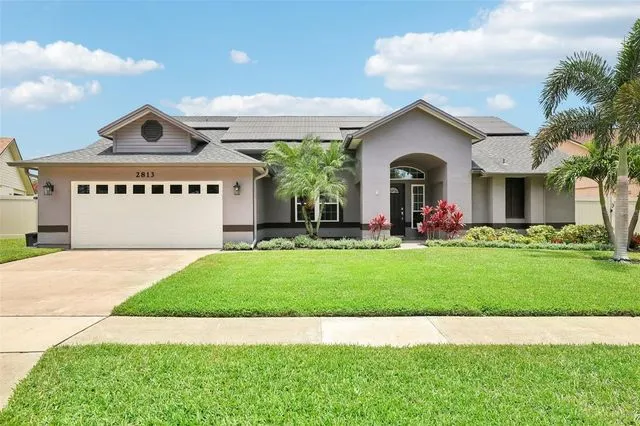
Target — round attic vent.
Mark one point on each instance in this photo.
(151, 130)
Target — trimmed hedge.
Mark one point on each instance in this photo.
(276, 244)
(236, 245)
(530, 245)
(304, 241)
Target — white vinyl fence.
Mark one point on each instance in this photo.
(18, 215)
(588, 213)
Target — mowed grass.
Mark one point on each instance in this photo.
(15, 249)
(432, 281)
(170, 384)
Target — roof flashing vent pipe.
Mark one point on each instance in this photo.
(264, 173)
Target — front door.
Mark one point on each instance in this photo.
(397, 208)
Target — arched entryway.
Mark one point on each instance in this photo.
(415, 180)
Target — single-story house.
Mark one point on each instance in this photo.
(13, 181)
(155, 180)
(18, 206)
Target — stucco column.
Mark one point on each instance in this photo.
(374, 195)
(457, 188)
(534, 199)
(497, 207)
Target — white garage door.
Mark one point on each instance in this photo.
(146, 215)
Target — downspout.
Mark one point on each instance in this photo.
(255, 206)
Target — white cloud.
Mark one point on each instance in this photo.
(516, 41)
(68, 57)
(441, 101)
(239, 57)
(276, 104)
(45, 92)
(500, 102)
(435, 98)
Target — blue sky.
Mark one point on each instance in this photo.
(473, 57)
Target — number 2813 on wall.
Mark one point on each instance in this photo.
(145, 174)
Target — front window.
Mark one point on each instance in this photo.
(330, 210)
(405, 173)
(514, 198)
(417, 202)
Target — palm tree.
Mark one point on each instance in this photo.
(634, 176)
(598, 165)
(311, 173)
(612, 103)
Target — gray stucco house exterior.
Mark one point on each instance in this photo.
(154, 180)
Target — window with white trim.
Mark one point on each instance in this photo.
(330, 212)
(417, 202)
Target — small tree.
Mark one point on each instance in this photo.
(378, 224)
(445, 217)
(310, 172)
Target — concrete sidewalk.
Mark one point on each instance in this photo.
(378, 331)
(24, 339)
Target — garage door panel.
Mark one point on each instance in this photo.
(149, 220)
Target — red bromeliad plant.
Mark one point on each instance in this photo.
(445, 217)
(378, 224)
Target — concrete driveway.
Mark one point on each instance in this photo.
(46, 300)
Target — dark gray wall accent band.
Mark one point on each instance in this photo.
(53, 228)
(237, 228)
(328, 225)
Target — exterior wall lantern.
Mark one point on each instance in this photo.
(236, 189)
(48, 188)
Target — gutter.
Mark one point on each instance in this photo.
(255, 206)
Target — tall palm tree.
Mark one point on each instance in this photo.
(598, 165)
(634, 176)
(311, 173)
(611, 97)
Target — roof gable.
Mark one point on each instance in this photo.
(11, 145)
(426, 107)
(108, 130)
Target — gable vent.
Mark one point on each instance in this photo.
(151, 130)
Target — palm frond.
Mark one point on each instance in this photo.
(627, 109)
(628, 65)
(585, 74)
(561, 127)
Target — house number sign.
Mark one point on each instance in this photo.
(141, 174)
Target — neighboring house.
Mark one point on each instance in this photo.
(586, 193)
(18, 208)
(13, 181)
(154, 180)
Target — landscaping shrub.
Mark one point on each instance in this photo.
(635, 242)
(513, 237)
(541, 233)
(505, 231)
(303, 241)
(276, 244)
(481, 233)
(236, 245)
(582, 234)
(530, 245)
(445, 217)
(378, 224)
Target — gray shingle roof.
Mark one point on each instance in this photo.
(230, 136)
(510, 154)
(101, 152)
(269, 128)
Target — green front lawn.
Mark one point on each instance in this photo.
(170, 384)
(15, 249)
(433, 281)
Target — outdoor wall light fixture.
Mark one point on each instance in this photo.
(48, 188)
(236, 189)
